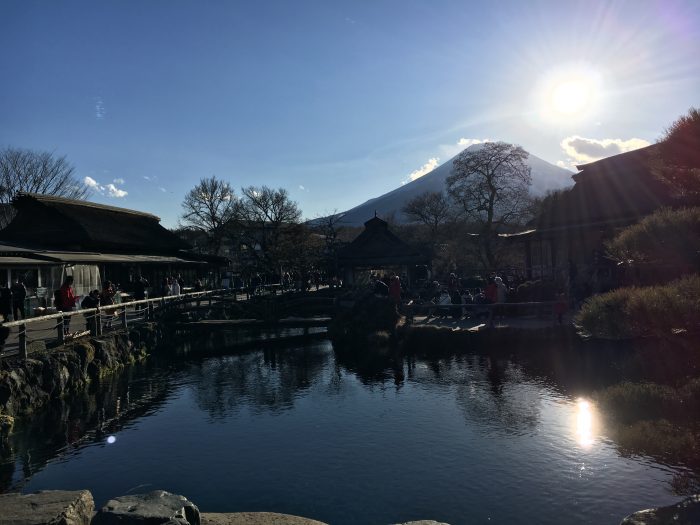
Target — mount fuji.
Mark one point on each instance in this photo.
(545, 177)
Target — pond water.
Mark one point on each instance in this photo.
(299, 430)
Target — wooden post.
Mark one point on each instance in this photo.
(122, 314)
(151, 313)
(94, 330)
(209, 300)
(98, 322)
(59, 330)
(23, 341)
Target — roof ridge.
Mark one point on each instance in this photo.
(88, 204)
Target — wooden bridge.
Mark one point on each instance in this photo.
(283, 311)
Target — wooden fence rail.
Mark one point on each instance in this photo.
(97, 319)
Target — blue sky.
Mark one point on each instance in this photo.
(336, 101)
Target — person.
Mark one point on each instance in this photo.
(501, 297)
(501, 290)
(380, 288)
(19, 294)
(92, 300)
(66, 301)
(491, 291)
(175, 287)
(452, 284)
(5, 303)
(198, 287)
(395, 290)
(165, 287)
(107, 295)
(140, 287)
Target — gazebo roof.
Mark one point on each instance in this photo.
(377, 246)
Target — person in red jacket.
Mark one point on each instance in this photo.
(66, 301)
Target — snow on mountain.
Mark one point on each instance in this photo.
(545, 177)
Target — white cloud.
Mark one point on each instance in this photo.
(118, 181)
(465, 143)
(161, 188)
(113, 191)
(301, 187)
(150, 179)
(91, 183)
(110, 190)
(423, 170)
(582, 149)
(450, 150)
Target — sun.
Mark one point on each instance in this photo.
(568, 93)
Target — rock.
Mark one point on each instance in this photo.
(54, 507)
(255, 518)
(155, 508)
(687, 512)
(6, 424)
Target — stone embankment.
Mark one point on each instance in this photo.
(27, 385)
(61, 507)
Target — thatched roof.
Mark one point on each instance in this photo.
(74, 225)
(612, 190)
(377, 246)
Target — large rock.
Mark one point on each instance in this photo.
(155, 508)
(255, 518)
(54, 507)
(687, 512)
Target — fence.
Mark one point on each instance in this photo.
(98, 320)
(487, 311)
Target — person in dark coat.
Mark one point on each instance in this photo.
(140, 287)
(5, 303)
(19, 294)
(91, 301)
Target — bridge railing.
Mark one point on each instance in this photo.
(55, 328)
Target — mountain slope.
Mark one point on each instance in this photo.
(545, 177)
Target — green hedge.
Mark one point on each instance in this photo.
(633, 312)
(666, 236)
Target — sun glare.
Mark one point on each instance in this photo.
(568, 93)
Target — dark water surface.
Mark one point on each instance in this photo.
(461, 439)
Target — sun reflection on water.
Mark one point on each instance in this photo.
(584, 424)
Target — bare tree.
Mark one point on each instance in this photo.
(433, 209)
(26, 170)
(269, 225)
(209, 208)
(491, 187)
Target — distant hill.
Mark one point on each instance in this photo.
(545, 177)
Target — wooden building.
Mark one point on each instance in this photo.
(51, 237)
(378, 250)
(568, 236)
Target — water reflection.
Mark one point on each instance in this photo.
(427, 429)
(67, 425)
(584, 424)
(268, 380)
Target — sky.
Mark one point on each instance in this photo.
(337, 102)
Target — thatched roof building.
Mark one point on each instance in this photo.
(567, 237)
(73, 225)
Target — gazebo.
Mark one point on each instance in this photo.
(378, 249)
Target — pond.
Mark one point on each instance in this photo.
(462, 439)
